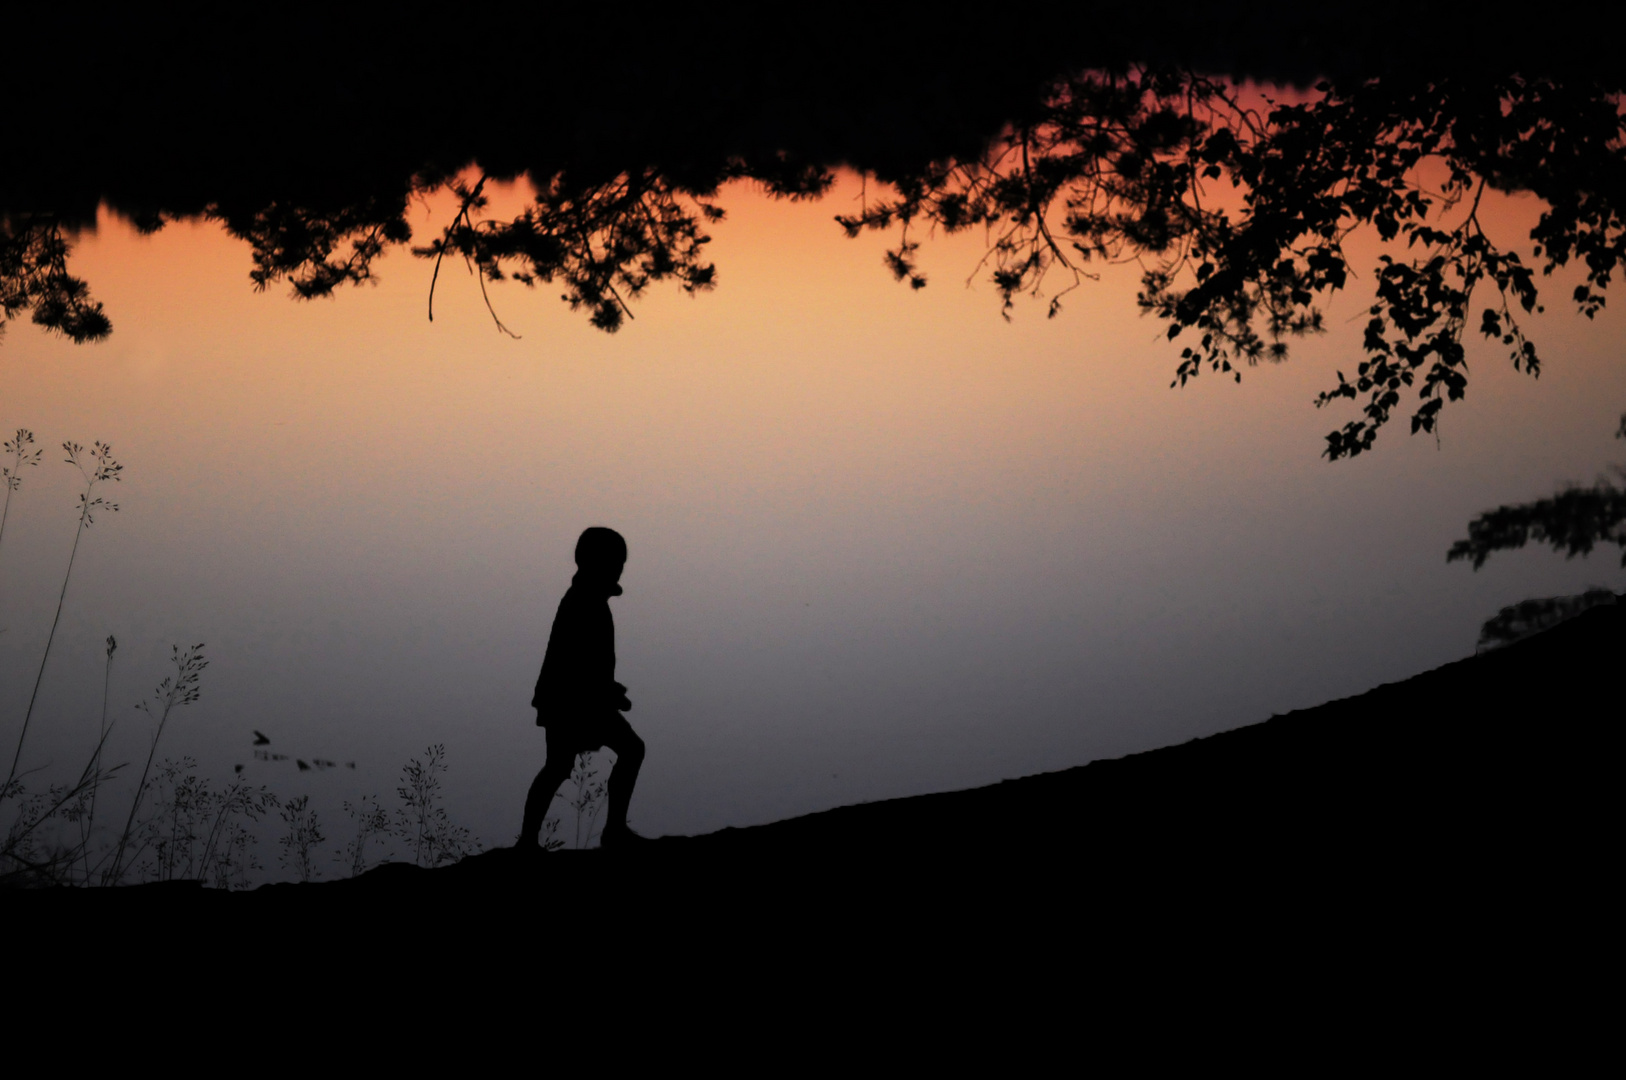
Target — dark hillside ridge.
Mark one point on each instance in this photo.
(1499, 769)
(1511, 749)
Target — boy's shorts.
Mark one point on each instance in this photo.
(586, 732)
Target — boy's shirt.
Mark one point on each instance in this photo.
(578, 669)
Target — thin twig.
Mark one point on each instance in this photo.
(49, 638)
(462, 215)
(479, 276)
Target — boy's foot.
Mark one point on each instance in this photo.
(619, 836)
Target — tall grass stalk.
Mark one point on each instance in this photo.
(421, 821)
(174, 692)
(96, 760)
(99, 468)
(17, 447)
(17, 848)
(371, 820)
(303, 836)
(237, 800)
(194, 829)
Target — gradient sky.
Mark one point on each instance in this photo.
(881, 542)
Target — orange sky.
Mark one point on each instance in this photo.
(881, 541)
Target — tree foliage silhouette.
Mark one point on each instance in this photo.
(34, 277)
(1135, 165)
(1238, 213)
(1574, 521)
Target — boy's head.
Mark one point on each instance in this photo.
(601, 552)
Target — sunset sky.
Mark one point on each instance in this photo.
(882, 542)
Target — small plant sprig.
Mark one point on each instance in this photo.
(226, 848)
(100, 467)
(176, 691)
(89, 820)
(21, 456)
(422, 820)
(195, 831)
(22, 849)
(303, 835)
(22, 853)
(589, 798)
(371, 820)
(25, 852)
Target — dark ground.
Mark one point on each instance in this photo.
(1466, 804)
(1368, 871)
(1421, 874)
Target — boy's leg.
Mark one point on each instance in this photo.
(555, 771)
(628, 748)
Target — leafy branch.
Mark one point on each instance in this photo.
(1118, 166)
(34, 277)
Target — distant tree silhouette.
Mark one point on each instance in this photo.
(1518, 621)
(1573, 521)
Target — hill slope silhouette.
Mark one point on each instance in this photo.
(1435, 847)
(1485, 756)
(1501, 764)
(1506, 756)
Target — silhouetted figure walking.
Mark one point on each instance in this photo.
(577, 698)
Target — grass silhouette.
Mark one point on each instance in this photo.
(89, 821)
(422, 820)
(176, 691)
(303, 835)
(21, 457)
(587, 802)
(99, 468)
(196, 832)
(372, 820)
(180, 826)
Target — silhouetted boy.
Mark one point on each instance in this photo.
(577, 698)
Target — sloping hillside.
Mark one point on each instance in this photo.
(1499, 766)
(1501, 749)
